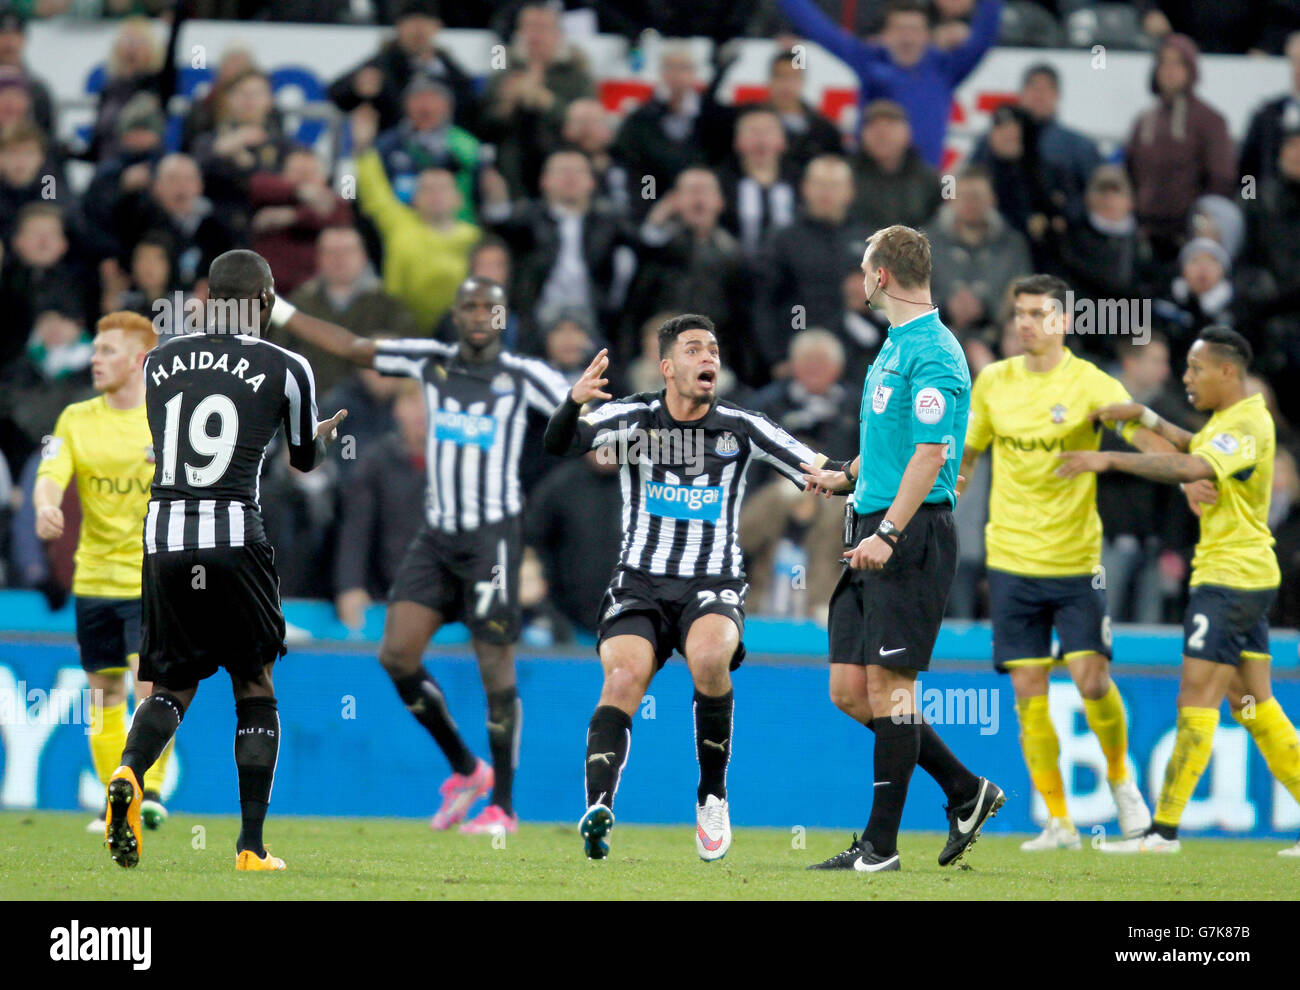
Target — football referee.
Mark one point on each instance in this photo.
(888, 605)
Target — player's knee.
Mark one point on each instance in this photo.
(845, 700)
(1094, 684)
(398, 660)
(625, 684)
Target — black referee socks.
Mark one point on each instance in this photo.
(609, 737)
(504, 718)
(712, 743)
(898, 744)
(257, 745)
(155, 721)
(424, 699)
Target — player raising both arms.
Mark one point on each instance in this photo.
(215, 400)
(1043, 541)
(679, 583)
(105, 443)
(464, 564)
(1235, 574)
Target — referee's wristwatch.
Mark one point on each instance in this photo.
(888, 532)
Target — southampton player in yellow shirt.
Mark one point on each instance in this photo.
(1043, 544)
(105, 443)
(1235, 575)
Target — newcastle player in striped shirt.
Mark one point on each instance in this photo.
(209, 593)
(679, 583)
(464, 564)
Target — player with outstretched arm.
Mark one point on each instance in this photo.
(464, 563)
(1235, 575)
(679, 584)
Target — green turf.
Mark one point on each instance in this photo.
(48, 856)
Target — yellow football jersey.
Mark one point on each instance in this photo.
(1236, 547)
(1041, 525)
(111, 453)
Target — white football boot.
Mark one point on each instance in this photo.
(1148, 842)
(712, 829)
(1060, 833)
(1134, 815)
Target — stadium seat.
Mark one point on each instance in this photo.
(1114, 25)
(1027, 25)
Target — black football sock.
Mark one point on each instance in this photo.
(898, 743)
(155, 722)
(935, 758)
(609, 738)
(423, 699)
(505, 717)
(257, 744)
(712, 743)
(1169, 832)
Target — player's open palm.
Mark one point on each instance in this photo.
(825, 482)
(591, 384)
(328, 430)
(49, 522)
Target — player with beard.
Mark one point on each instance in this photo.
(679, 583)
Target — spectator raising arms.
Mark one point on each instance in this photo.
(426, 244)
(906, 66)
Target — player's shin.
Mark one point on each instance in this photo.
(1042, 751)
(504, 720)
(713, 720)
(609, 739)
(424, 699)
(107, 739)
(1192, 747)
(898, 744)
(152, 727)
(1276, 738)
(257, 745)
(1109, 723)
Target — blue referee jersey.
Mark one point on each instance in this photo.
(917, 391)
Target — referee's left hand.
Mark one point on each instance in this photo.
(870, 555)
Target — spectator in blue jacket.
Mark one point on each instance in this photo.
(905, 66)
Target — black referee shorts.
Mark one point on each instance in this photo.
(210, 608)
(891, 617)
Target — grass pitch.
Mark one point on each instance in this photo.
(49, 856)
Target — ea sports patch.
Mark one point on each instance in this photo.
(880, 398)
(1225, 443)
(50, 447)
(929, 406)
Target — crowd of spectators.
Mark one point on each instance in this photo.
(602, 226)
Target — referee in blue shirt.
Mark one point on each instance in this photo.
(887, 608)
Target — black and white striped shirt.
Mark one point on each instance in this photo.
(477, 418)
(214, 403)
(683, 483)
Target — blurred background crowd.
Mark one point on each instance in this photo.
(604, 222)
